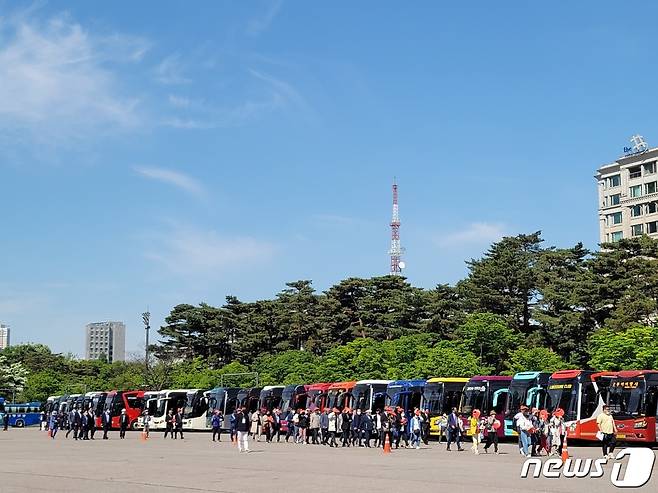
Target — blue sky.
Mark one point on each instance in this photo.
(155, 154)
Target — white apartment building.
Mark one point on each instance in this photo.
(628, 197)
(4, 336)
(105, 339)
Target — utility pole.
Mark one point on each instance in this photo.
(146, 318)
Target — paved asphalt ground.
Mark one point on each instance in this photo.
(30, 461)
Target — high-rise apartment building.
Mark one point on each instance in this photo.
(4, 336)
(628, 196)
(106, 339)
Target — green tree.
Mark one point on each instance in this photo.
(13, 376)
(503, 282)
(535, 359)
(634, 348)
(488, 336)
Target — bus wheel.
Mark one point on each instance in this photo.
(134, 425)
(19, 423)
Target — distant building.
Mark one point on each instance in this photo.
(105, 339)
(628, 196)
(4, 336)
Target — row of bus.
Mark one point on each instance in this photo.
(631, 395)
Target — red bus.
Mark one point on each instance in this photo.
(486, 393)
(632, 397)
(581, 394)
(339, 395)
(130, 400)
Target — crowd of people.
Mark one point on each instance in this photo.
(538, 431)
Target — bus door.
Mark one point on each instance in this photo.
(378, 401)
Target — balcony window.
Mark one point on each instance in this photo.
(637, 229)
(650, 168)
(652, 227)
(636, 191)
(616, 236)
(614, 199)
(614, 218)
(650, 188)
(614, 181)
(634, 172)
(636, 210)
(652, 207)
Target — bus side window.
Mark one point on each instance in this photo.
(589, 401)
(500, 400)
(650, 401)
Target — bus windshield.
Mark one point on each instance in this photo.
(97, 403)
(361, 397)
(195, 405)
(563, 394)
(286, 399)
(433, 398)
(517, 394)
(314, 398)
(395, 395)
(474, 398)
(625, 397)
(216, 400)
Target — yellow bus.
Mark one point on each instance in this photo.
(441, 394)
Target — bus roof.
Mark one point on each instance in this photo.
(373, 382)
(318, 386)
(274, 387)
(635, 373)
(343, 385)
(528, 375)
(447, 380)
(408, 383)
(493, 378)
(567, 374)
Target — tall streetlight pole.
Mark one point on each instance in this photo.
(146, 318)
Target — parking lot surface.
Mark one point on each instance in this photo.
(30, 461)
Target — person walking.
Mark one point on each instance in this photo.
(290, 426)
(124, 421)
(233, 422)
(169, 424)
(491, 425)
(474, 430)
(345, 427)
(214, 421)
(366, 428)
(84, 425)
(302, 423)
(557, 431)
(263, 425)
(324, 426)
(53, 424)
(525, 428)
(242, 429)
(356, 428)
(178, 423)
(106, 422)
(314, 426)
(416, 427)
(43, 421)
(147, 423)
(425, 416)
(92, 423)
(515, 426)
(332, 427)
(454, 430)
(276, 424)
(378, 425)
(255, 424)
(607, 430)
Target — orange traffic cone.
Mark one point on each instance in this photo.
(50, 433)
(565, 452)
(387, 445)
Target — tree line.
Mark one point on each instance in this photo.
(522, 306)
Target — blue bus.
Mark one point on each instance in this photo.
(21, 415)
(408, 394)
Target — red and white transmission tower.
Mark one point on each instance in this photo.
(396, 251)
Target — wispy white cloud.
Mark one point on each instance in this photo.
(56, 84)
(262, 22)
(170, 71)
(175, 178)
(473, 234)
(179, 102)
(189, 251)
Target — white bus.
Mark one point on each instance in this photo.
(195, 412)
(167, 400)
